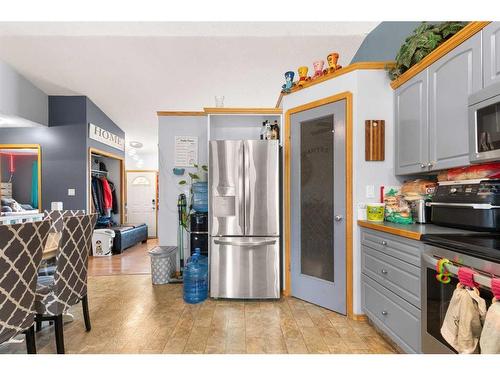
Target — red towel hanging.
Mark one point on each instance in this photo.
(466, 277)
(495, 288)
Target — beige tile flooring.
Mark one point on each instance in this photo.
(129, 315)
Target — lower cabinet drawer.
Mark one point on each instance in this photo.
(397, 318)
(399, 277)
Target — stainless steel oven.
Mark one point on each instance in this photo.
(436, 296)
(484, 124)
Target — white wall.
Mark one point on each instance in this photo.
(169, 127)
(20, 98)
(149, 161)
(372, 99)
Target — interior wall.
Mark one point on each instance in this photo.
(384, 41)
(20, 97)
(169, 188)
(372, 99)
(22, 178)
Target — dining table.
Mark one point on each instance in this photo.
(51, 246)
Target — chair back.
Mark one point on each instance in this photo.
(21, 247)
(70, 277)
(57, 218)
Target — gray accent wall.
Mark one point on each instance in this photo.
(19, 97)
(384, 41)
(64, 147)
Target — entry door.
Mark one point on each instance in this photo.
(141, 199)
(318, 257)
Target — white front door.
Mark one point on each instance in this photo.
(141, 199)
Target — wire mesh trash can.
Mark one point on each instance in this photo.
(102, 242)
(163, 262)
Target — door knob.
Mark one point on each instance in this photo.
(384, 313)
(384, 272)
(338, 217)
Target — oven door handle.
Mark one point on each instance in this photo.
(475, 206)
(479, 278)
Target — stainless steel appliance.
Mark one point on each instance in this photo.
(480, 252)
(244, 219)
(420, 212)
(472, 204)
(484, 124)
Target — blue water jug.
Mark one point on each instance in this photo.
(195, 278)
(200, 196)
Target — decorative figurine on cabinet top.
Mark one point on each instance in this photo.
(332, 59)
(318, 68)
(288, 81)
(302, 70)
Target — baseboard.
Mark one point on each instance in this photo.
(359, 317)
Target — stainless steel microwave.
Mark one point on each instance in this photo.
(484, 124)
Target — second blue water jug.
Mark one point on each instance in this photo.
(195, 278)
(200, 196)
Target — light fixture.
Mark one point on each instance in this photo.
(135, 144)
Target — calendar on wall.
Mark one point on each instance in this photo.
(186, 151)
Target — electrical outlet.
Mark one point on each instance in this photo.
(370, 191)
(71, 192)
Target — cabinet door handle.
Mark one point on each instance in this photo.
(384, 243)
(430, 164)
(384, 313)
(384, 272)
(422, 165)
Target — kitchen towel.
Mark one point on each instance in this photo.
(490, 337)
(464, 319)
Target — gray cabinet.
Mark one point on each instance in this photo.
(451, 80)
(411, 119)
(491, 53)
(390, 267)
(430, 110)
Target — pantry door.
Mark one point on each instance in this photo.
(142, 202)
(318, 180)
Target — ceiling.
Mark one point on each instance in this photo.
(132, 70)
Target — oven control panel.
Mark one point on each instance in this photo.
(487, 191)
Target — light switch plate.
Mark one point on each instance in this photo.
(71, 192)
(370, 191)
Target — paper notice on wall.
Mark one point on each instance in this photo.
(186, 151)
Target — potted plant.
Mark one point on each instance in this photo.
(199, 176)
(423, 40)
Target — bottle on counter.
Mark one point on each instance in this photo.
(263, 131)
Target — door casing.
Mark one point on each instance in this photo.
(347, 96)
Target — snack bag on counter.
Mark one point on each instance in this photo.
(397, 209)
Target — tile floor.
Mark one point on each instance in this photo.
(129, 315)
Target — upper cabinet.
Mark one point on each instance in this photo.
(491, 53)
(412, 125)
(431, 119)
(451, 80)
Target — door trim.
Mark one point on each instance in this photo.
(157, 190)
(123, 200)
(347, 96)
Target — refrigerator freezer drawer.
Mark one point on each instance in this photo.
(242, 267)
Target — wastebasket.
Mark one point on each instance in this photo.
(163, 263)
(102, 242)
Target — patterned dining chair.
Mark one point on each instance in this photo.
(21, 247)
(56, 216)
(69, 284)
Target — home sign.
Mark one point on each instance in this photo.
(101, 135)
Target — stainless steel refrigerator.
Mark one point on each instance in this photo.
(244, 219)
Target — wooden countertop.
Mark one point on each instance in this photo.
(411, 231)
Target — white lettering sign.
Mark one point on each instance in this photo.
(186, 151)
(101, 135)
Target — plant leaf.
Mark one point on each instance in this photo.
(182, 182)
(205, 168)
(194, 176)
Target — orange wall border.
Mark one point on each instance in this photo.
(347, 96)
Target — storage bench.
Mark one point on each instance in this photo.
(128, 235)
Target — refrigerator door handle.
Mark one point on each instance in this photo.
(241, 187)
(247, 185)
(235, 243)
